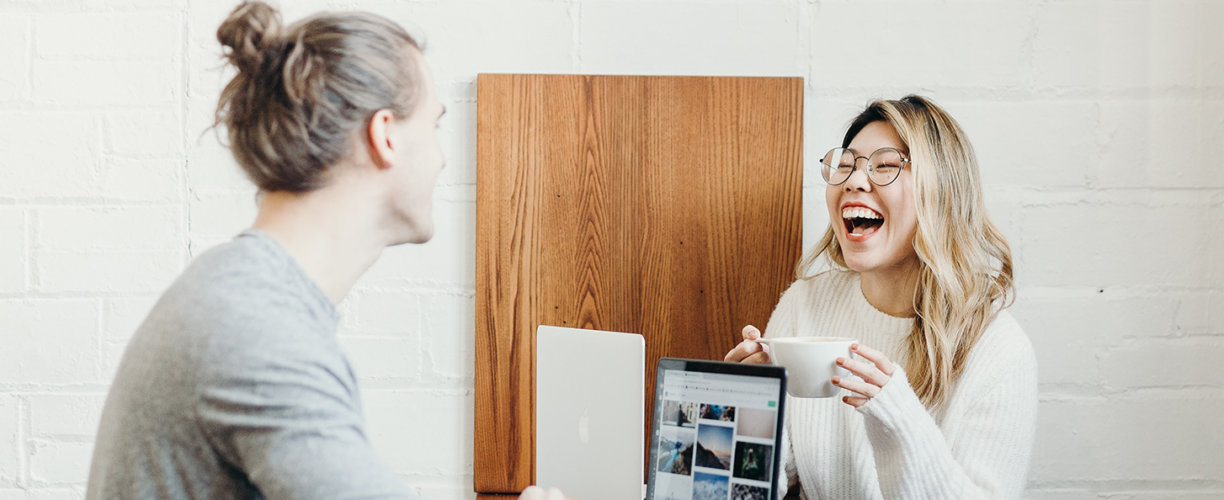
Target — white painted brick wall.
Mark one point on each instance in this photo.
(452, 352)
(1099, 126)
(49, 341)
(386, 312)
(64, 415)
(43, 493)
(386, 358)
(143, 36)
(10, 432)
(118, 271)
(917, 45)
(1073, 135)
(489, 36)
(1161, 142)
(14, 36)
(713, 38)
(59, 462)
(139, 179)
(139, 133)
(65, 170)
(423, 434)
(110, 228)
(100, 83)
(1082, 440)
(12, 250)
(1163, 362)
(120, 318)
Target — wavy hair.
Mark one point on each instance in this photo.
(965, 264)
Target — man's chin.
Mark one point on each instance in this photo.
(424, 237)
(415, 235)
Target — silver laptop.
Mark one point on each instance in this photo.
(590, 412)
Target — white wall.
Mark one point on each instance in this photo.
(1099, 124)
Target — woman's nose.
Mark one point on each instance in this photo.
(857, 181)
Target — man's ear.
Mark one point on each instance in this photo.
(382, 148)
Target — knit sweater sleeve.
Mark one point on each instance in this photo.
(982, 449)
(782, 324)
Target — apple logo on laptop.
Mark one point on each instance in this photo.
(584, 428)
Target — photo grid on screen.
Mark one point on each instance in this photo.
(712, 451)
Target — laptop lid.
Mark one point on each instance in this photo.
(590, 407)
(717, 430)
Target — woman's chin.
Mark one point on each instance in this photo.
(852, 253)
(861, 261)
(856, 263)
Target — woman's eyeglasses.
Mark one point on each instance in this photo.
(882, 168)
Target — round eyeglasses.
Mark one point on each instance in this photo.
(883, 166)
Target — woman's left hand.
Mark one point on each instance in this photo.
(875, 372)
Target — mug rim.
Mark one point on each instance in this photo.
(775, 340)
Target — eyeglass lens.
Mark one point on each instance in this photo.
(882, 167)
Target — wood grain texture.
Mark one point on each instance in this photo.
(666, 206)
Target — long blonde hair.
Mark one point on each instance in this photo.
(965, 264)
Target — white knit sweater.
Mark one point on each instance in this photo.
(976, 445)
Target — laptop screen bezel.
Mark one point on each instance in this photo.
(721, 367)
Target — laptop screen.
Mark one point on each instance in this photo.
(717, 431)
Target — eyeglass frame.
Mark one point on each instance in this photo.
(870, 169)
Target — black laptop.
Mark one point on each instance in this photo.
(717, 431)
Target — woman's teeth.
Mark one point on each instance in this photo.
(860, 213)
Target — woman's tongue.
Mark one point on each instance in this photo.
(864, 228)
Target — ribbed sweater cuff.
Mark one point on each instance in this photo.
(911, 456)
(895, 400)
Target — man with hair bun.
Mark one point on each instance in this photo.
(234, 386)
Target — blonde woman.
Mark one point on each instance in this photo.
(943, 400)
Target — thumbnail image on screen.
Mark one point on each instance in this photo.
(716, 437)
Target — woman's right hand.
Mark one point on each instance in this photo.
(749, 351)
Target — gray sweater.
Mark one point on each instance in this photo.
(235, 387)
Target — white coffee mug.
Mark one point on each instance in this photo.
(811, 363)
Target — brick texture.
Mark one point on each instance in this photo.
(1097, 124)
(10, 436)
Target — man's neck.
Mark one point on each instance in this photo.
(331, 232)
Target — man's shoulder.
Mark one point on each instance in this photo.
(233, 266)
(248, 283)
(236, 303)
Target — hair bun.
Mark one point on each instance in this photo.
(252, 33)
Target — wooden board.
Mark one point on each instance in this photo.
(666, 206)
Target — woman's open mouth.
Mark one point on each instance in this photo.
(861, 222)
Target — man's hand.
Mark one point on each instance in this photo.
(538, 493)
